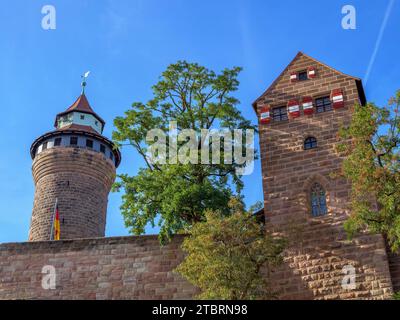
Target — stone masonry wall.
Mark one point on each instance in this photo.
(102, 268)
(318, 249)
(394, 267)
(81, 180)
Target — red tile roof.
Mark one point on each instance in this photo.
(79, 127)
(80, 105)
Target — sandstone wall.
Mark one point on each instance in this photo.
(81, 180)
(319, 249)
(103, 268)
(394, 267)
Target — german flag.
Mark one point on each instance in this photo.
(57, 224)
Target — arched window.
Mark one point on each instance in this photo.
(310, 143)
(318, 200)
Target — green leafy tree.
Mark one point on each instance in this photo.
(226, 255)
(371, 144)
(178, 193)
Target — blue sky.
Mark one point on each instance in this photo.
(126, 44)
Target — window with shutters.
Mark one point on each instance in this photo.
(302, 75)
(323, 104)
(279, 114)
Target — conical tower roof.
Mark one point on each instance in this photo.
(81, 104)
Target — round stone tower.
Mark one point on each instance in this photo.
(74, 166)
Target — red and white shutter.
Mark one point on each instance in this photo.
(311, 72)
(337, 98)
(294, 108)
(265, 115)
(307, 104)
(293, 77)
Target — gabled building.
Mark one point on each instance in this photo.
(305, 198)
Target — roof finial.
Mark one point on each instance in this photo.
(84, 77)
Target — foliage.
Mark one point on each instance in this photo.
(176, 195)
(371, 144)
(226, 254)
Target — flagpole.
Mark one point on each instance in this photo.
(52, 222)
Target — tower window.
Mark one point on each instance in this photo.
(89, 143)
(57, 142)
(279, 114)
(111, 155)
(73, 141)
(96, 123)
(102, 148)
(302, 75)
(82, 117)
(323, 104)
(310, 143)
(44, 146)
(318, 201)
